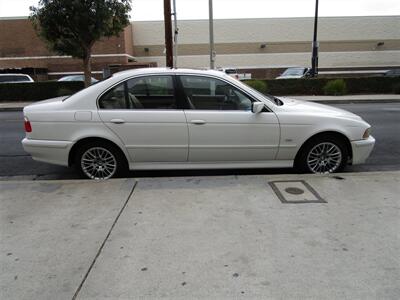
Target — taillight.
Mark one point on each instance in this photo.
(27, 124)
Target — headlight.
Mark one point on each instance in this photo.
(366, 133)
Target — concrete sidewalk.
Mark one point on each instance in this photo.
(384, 98)
(50, 233)
(202, 238)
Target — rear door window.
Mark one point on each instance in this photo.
(151, 92)
(114, 98)
(148, 92)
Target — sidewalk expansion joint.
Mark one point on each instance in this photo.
(104, 242)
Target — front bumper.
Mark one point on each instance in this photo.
(53, 152)
(362, 149)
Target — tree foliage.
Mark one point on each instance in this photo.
(71, 27)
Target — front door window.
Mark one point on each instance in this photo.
(205, 93)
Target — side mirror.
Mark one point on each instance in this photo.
(257, 107)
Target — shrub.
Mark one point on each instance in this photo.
(259, 85)
(309, 86)
(65, 91)
(315, 86)
(335, 87)
(396, 88)
(38, 90)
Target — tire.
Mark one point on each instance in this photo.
(322, 155)
(100, 161)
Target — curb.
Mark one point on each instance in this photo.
(336, 176)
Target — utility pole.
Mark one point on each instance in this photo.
(211, 21)
(175, 35)
(168, 33)
(315, 45)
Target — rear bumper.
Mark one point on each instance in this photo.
(362, 149)
(53, 152)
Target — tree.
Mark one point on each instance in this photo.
(71, 27)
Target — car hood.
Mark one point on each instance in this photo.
(295, 105)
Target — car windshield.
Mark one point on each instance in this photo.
(13, 78)
(293, 71)
(72, 78)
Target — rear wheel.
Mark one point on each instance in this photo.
(323, 155)
(100, 161)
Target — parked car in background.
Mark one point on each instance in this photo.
(234, 73)
(15, 78)
(293, 73)
(392, 73)
(143, 119)
(77, 78)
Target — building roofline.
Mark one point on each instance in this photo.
(66, 56)
(14, 18)
(275, 18)
(233, 19)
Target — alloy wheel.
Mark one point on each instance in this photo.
(324, 158)
(98, 163)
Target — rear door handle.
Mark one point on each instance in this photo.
(198, 122)
(117, 121)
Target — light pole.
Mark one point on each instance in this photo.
(211, 21)
(175, 36)
(315, 45)
(168, 33)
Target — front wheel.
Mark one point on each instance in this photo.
(322, 156)
(99, 161)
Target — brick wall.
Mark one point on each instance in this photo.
(20, 47)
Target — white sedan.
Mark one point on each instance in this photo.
(157, 119)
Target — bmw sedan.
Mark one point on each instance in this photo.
(157, 119)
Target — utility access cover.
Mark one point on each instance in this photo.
(295, 191)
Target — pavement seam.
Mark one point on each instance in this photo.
(103, 243)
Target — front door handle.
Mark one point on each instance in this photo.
(198, 122)
(117, 121)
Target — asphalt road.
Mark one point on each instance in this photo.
(384, 118)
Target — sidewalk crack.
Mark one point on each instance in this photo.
(103, 243)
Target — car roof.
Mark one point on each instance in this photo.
(116, 78)
(166, 70)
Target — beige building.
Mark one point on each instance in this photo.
(262, 47)
(345, 42)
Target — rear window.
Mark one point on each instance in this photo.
(230, 71)
(294, 71)
(13, 78)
